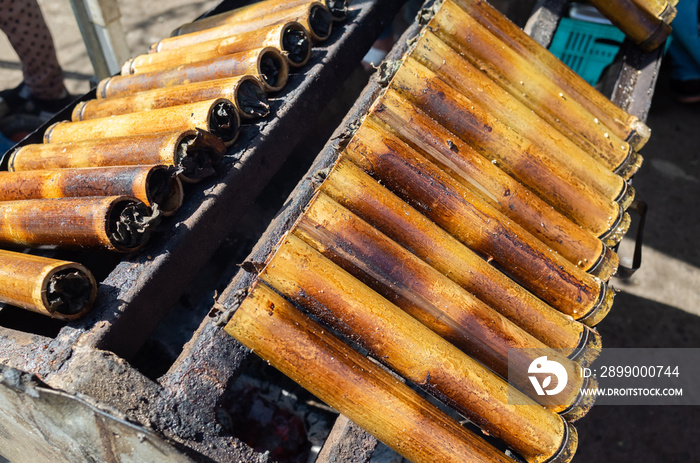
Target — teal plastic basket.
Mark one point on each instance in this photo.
(586, 47)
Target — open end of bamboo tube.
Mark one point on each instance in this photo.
(568, 447)
(669, 13)
(338, 9)
(252, 99)
(130, 223)
(224, 121)
(165, 190)
(588, 349)
(623, 226)
(77, 114)
(630, 166)
(640, 134)
(296, 44)
(320, 22)
(198, 155)
(272, 69)
(602, 308)
(606, 266)
(583, 404)
(69, 292)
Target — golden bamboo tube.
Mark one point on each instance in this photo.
(115, 223)
(662, 9)
(523, 81)
(432, 53)
(267, 64)
(353, 385)
(218, 116)
(474, 223)
(194, 152)
(314, 16)
(625, 126)
(546, 173)
(245, 92)
(150, 184)
(392, 336)
(431, 298)
(350, 186)
(268, 8)
(57, 288)
(501, 191)
(290, 38)
(646, 30)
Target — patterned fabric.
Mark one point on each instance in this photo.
(24, 25)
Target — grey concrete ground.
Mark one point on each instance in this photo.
(658, 307)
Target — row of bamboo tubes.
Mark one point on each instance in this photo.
(469, 217)
(105, 178)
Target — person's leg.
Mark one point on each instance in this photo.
(43, 89)
(24, 25)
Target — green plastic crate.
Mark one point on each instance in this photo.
(586, 47)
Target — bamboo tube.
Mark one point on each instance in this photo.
(478, 226)
(245, 92)
(355, 386)
(662, 9)
(150, 184)
(625, 126)
(314, 16)
(523, 81)
(432, 53)
(646, 30)
(218, 116)
(290, 38)
(432, 298)
(57, 288)
(351, 187)
(268, 8)
(266, 64)
(544, 172)
(412, 350)
(494, 186)
(195, 153)
(115, 223)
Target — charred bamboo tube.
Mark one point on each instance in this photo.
(268, 8)
(432, 53)
(115, 223)
(245, 92)
(218, 116)
(545, 173)
(431, 298)
(290, 38)
(150, 184)
(515, 74)
(348, 185)
(412, 350)
(501, 191)
(195, 153)
(314, 16)
(474, 223)
(662, 9)
(267, 64)
(57, 288)
(625, 126)
(353, 385)
(646, 30)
